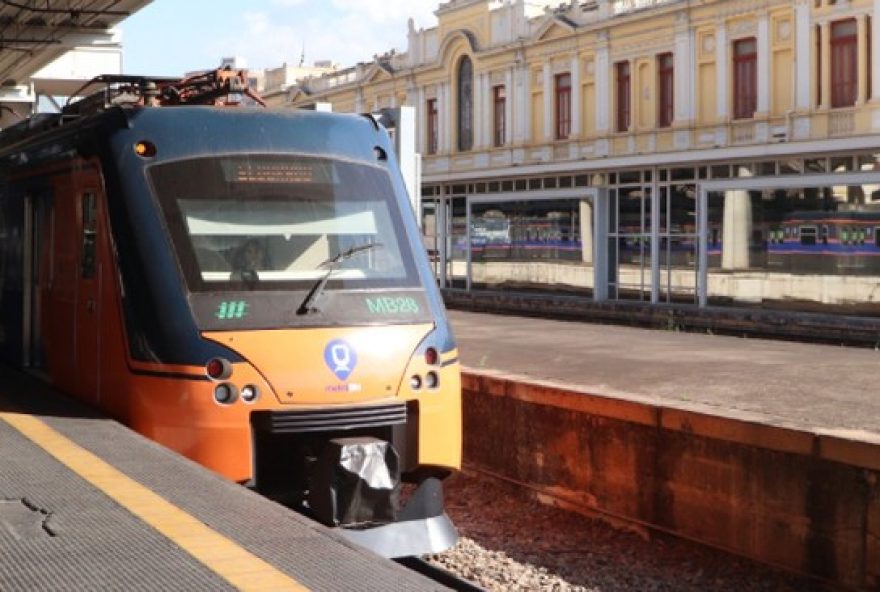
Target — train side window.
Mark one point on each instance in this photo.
(877, 236)
(808, 235)
(89, 231)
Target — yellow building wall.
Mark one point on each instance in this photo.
(645, 92)
(474, 18)
(707, 96)
(588, 109)
(638, 37)
(782, 66)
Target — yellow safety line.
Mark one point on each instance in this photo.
(236, 565)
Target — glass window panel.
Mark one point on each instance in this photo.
(465, 104)
(630, 177)
(794, 249)
(721, 172)
(744, 169)
(554, 237)
(663, 201)
(842, 164)
(868, 162)
(791, 166)
(682, 174)
(816, 165)
(766, 168)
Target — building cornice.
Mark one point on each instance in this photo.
(749, 152)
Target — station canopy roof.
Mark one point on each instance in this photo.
(34, 33)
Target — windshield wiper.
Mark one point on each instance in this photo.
(331, 264)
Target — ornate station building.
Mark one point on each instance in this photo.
(696, 153)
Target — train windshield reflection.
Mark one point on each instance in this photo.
(277, 230)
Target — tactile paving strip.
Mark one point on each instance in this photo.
(104, 546)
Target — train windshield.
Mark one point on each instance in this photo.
(283, 223)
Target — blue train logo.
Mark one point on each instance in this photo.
(341, 358)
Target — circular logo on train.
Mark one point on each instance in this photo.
(340, 357)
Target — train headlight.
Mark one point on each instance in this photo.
(432, 380)
(145, 149)
(415, 382)
(431, 356)
(218, 369)
(225, 393)
(250, 393)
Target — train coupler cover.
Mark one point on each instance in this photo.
(356, 486)
(356, 482)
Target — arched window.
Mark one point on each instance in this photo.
(465, 105)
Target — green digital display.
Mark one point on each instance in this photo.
(232, 309)
(387, 305)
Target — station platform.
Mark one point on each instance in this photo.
(807, 386)
(766, 449)
(87, 504)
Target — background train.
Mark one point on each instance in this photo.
(796, 241)
(242, 285)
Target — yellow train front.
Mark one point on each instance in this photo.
(246, 287)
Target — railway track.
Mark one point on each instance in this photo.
(510, 542)
(439, 575)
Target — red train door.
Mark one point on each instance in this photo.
(88, 305)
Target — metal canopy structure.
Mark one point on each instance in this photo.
(75, 37)
(33, 33)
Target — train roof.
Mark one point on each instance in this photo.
(828, 216)
(171, 108)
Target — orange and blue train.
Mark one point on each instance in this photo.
(245, 286)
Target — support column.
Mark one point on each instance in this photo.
(737, 231)
(548, 102)
(508, 106)
(443, 112)
(763, 66)
(527, 104)
(684, 74)
(602, 86)
(477, 112)
(875, 46)
(586, 217)
(633, 95)
(486, 112)
(575, 97)
(803, 80)
(722, 72)
(863, 58)
(422, 119)
(825, 67)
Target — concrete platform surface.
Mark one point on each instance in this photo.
(819, 388)
(86, 504)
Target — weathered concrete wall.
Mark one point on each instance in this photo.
(809, 502)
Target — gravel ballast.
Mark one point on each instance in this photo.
(510, 541)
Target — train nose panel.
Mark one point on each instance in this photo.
(338, 365)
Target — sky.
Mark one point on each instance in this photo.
(170, 37)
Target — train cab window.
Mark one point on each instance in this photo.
(808, 235)
(282, 223)
(89, 206)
